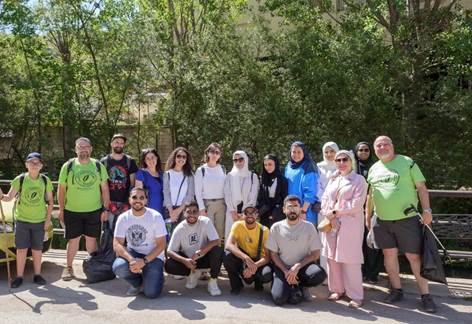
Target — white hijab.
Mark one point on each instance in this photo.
(238, 175)
(329, 166)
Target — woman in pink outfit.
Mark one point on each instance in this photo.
(342, 203)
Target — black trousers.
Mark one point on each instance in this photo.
(310, 275)
(212, 260)
(235, 267)
(373, 261)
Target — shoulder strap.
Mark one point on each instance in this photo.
(259, 244)
(223, 168)
(98, 167)
(45, 181)
(128, 162)
(203, 171)
(18, 194)
(105, 161)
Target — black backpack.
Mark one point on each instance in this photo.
(203, 170)
(22, 179)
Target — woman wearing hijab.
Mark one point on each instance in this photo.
(272, 192)
(373, 258)
(241, 189)
(302, 177)
(327, 167)
(343, 203)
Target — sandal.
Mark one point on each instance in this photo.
(335, 296)
(355, 303)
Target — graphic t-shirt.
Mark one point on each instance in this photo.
(248, 239)
(293, 242)
(190, 238)
(83, 185)
(118, 177)
(141, 231)
(393, 186)
(31, 206)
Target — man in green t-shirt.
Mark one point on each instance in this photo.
(33, 209)
(396, 183)
(83, 198)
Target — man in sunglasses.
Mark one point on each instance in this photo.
(140, 263)
(195, 245)
(247, 258)
(294, 247)
(396, 183)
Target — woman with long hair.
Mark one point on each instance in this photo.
(209, 187)
(179, 185)
(272, 192)
(149, 177)
(302, 176)
(241, 189)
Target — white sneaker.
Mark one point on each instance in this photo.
(133, 291)
(213, 288)
(192, 279)
(176, 277)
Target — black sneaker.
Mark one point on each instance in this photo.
(39, 280)
(427, 303)
(258, 286)
(395, 296)
(17, 282)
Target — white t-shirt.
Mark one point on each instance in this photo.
(293, 242)
(190, 238)
(141, 231)
(210, 186)
(176, 179)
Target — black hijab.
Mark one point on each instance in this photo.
(363, 166)
(268, 178)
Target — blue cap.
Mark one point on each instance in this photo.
(33, 155)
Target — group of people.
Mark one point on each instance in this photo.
(262, 229)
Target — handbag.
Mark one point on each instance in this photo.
(325, 225)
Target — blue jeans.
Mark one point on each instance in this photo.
(151, 278)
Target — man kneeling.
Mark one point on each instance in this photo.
(141, 262)
(247, 258)
(294, 247)
(194, 245)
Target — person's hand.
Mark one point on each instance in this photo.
(250, 264)
(330, 214)
(190, 263)
(174, 215)
(47, 224)
(303, 214)
(104, 216)
(60, 216)
(334, 223)
(427, 218)
(197, 255)
(368, 223)
(248, 273)
(291, 275)
(234, 215)
(203, 212)
(136, 265)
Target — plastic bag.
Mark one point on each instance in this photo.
(98, 266)
(431, 264)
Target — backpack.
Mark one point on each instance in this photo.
(128, 158)
(22, 179)
(222, 168)
(70, 164)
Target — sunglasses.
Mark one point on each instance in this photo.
(138, 197)
(341, 160)
(179, 156)
(363, 150)
(238, 160)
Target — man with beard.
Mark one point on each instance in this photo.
(294, 247)
(247, 257)
(140, 263)
(195, 245)
(121, 175)
(396, 183)
(83, 197)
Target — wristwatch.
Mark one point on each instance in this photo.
(145, 259)
(428, 210)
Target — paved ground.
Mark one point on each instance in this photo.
(76, 302)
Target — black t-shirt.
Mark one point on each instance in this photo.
(118, 176)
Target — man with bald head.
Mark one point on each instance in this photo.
(396, 183)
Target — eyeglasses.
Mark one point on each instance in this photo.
(192, 211)
(341, 160)
(238, 160)
(178, 156)
(363, 150)
(138, 197)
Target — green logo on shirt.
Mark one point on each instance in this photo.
(32, 196)
(85, 178)
(387, 180)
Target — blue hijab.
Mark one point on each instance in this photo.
(307, 162)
